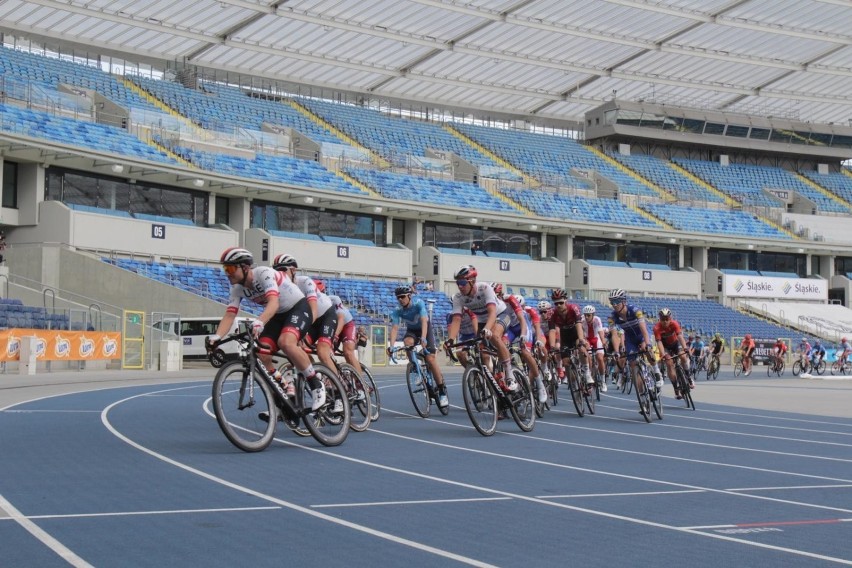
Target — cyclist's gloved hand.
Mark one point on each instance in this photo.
(210, 341)
(486, 333)
(256, 327)
(448, 344)
(388, 349)
(539, 343)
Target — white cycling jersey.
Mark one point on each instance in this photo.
(266, 282)
(309, 288)
(477, 302)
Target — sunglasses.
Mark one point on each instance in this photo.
(665, 318)
(613, 304)
(229, 268)
(461, 283)
(402, 296)
(558, 303)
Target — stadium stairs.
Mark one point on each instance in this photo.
(692, 177)
(823, 190)
(529, 180)
(662, 193)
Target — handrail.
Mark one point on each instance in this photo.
(44, 296)
(96, 309)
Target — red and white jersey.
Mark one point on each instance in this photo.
(266, 282)
(309, 288)
(478, 301)
(534, 317)
(593, 329)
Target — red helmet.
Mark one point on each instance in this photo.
(558, 294)
(498, 288)
(236, 255)
(748, 336)
(320, 285)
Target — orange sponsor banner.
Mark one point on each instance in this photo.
(58, 345)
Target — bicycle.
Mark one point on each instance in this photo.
(357, 391)
(776, 368)
(248, 402)
(519, 362)
(740, 366)
(422, 387)
(841, 367)
(484, 399)
(682, 382)
(713, 367)
(646, 390)
(576, 383)
(547, 369)
(801, 367)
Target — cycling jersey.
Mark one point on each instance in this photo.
(466, 329)
(307, 285)
(631, 322)
(481, 296)
(716, 346)
(747, 346)
(592, 328)
(780, 347)
(816, 350)
(266, 282)
(667, 335)
(697, 347)
(410, 315)
(339, 308)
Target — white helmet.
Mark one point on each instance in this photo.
(520, 300)
(544, 305)
(588, 309)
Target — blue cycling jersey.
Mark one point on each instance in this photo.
(410, 315)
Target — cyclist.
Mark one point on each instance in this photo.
(412, 312)
(778, 352)
(747, 349)
(284, 319)
(532, 335)
(323, 325)
(597, 342)
(670, 343)
(804, 349)
(492, 316)
(468, 330)
(566, 329)
(843, 352)
(346, 332)
(636, 339)
(698, 352)
(816, 354)
(610, 349)
(717, 346)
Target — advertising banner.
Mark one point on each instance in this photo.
(57, 345)
(770, 287)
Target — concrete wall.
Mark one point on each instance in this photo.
(599, 280)
(329, 256)
(440, 267)
(60, 224)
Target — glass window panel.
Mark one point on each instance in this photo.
(10, 185)
(693, 125)
(736, 131)
(759, 133)
(714, 128)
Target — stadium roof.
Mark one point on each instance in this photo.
(553, 59)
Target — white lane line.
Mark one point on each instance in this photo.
(779, 418)
(557, 504)
(619, 475)
(726, 422)
(292, 506)
(144, 513)
(659, 424)
(420, 502)
(782, 487)
(57, 547)
(632, 494)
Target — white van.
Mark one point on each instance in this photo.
(193, 332)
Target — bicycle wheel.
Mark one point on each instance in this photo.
(797, 368)
(479, 401)
(418, 390)
(738, 365)
(373, 390)
(523, 402)
(820, 367)
(553, 391)
(239, 396)
(644, 401)
(780, 370)
(359, 401)
(770, 369)
(576, 390)
(713, 371)
(683, 387)
(329, 425)
(656, 399)
(836, 367)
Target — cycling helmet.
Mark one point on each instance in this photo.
(236, 255)
(558, 294)
(402, 290)
(748, 336)
(544, 305)
(498, 288)
(718, 335)
(284, 261)
(804, 340)
(817, 341)
(844, 340)
(320, 285)
(665, 313)
(698, 337)
(617, 295)
(690, 338)
(465, 272)
(588, 310)
(778, 340)
(521, 301)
